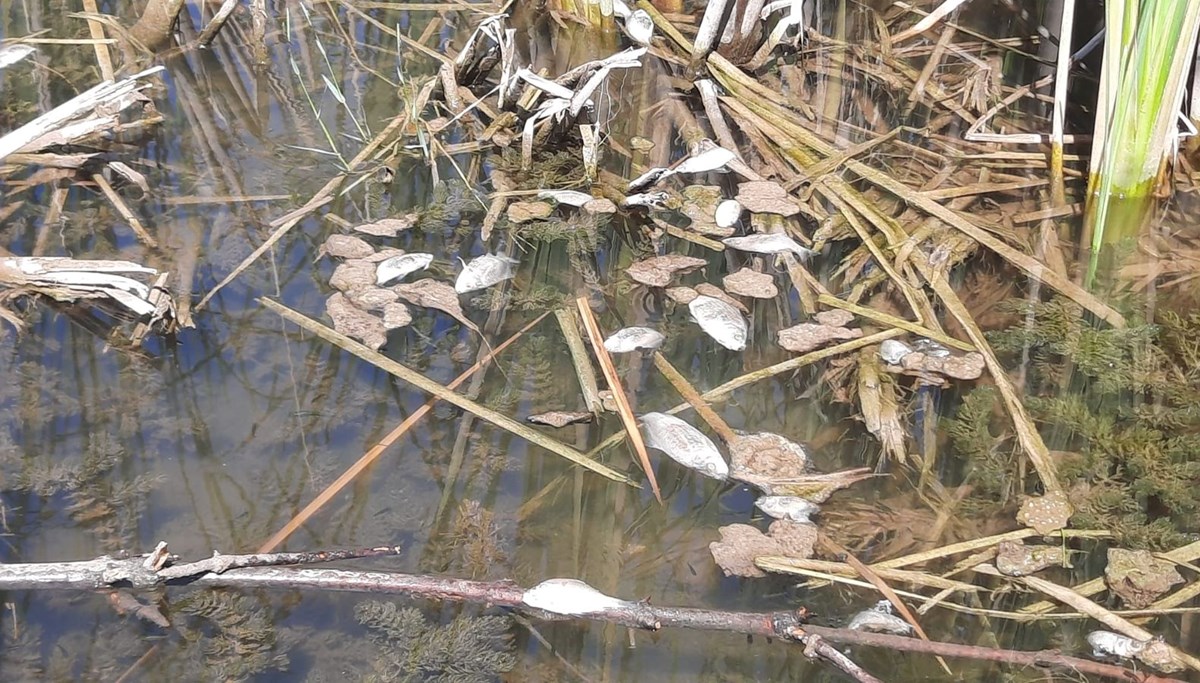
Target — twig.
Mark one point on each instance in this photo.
(210, 31)
(614, 383)
(693, 397)
(377, 450)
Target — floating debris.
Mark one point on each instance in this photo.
(791, 508)
(767, 456)
(352, 274)
(706, 289)
(684, 444)
(560, 418)
(721, 321)
(1014, 558)
(397, 267)
(640, 27)
(1045, 514)
(728, 213)
(600, 206)
(1138, 577)
(658, 271)
(880, 619)
(699, 203)
(892, 351)
(485, 271)
(630, 339)
(807, 337)
(967, 366)
(396, 315)
(768, 243)
(740, 544)
(430, 293)
(682, 295)
(648, 200)
(371, 298)
(751, 283)
(764, 196)
(931, 348)
(345, 247)
(354, 322)
(569, 597)
(388, 227)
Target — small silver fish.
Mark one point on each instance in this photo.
(768, 243)
(892, 351)
(880, 619)
(570, 597)
(931, 348)
(640, 27)
(721, 321)
(569, 197)
(684, 444)
(713, 158)
(396, 267)
(791, 508)
(630, 339)
(485, 271)
(1109, 644)
(650, 200)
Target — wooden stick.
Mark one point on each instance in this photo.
(614, 383)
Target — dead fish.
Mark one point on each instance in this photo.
(485, 271)
(791, 508)
(727, 214)
(650, 200)
(713, 158)
(640, 27)
(768, 243)
(559, 418)
(684, 444)
(931, 348)
(649, 179)
(630, 339)
(570, 597)
(720, 320)
(397, 267)
(892, 351)
(569, 197)
(880, 619)
(1109, 644)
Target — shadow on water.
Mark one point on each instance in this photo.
(215, 441)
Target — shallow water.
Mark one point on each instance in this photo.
(213, 441)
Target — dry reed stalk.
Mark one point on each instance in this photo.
(694, 399)
(614, 383)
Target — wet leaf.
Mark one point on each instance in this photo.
(658, 271)
(484, 271)
(1045, 514)
(600, 206)
(345, 246)
(352, 275)
(523, 212)
(371, 298)
(700, 204)
(397, 267)
(767, 456)
(682, 295)
(1014, 558)
(396, 315)
(429, 293)
(631, 339)
(1138, 577)
(751, 283)
(792, 508)
(740, 544)
(388, 227)
(355, 323)
(768, 243)
(721, 321)
(569, 597)
(966, 366)
(807, 337)
(765, 196)
(684, 444)
(560, 418)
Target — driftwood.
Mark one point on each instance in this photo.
(553, 599)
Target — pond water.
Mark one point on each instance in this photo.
(214, 440)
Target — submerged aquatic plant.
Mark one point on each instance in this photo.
(1121, 407)
(466, 650)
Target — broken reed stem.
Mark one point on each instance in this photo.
(693, 397)
(618, 391)
(427, 385)
(579, 359)
(894, 321)
(377, 450)
(119, 205)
